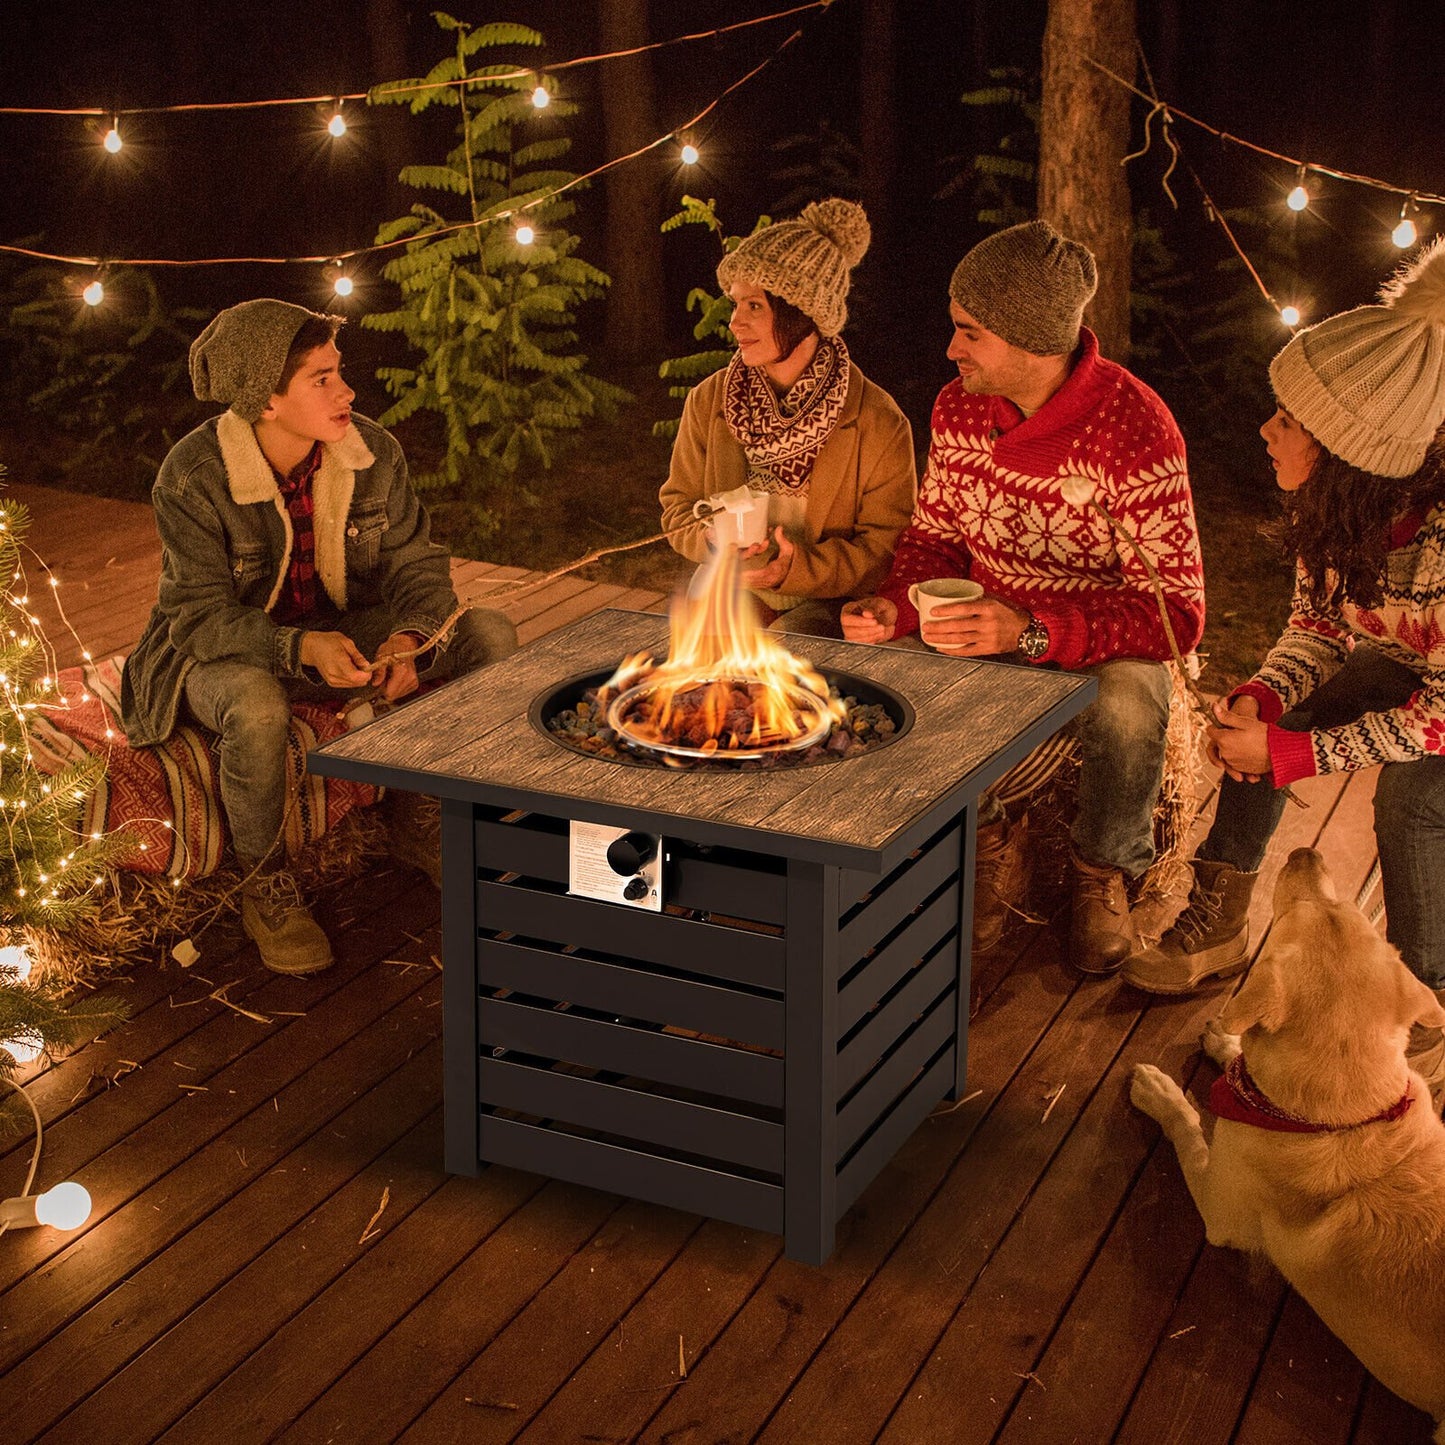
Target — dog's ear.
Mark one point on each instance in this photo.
(1420, 1003)
(1260, 1001)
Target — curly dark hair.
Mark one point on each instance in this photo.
(1338, 525)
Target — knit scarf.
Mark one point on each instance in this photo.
(1236, 1096)
(782, 435)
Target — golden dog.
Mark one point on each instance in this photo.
(1327, 1156)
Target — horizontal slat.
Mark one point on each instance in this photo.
(689, 1063)
(631, 991)
(877, 1035)
(882, 972)
(719, 1134)
(739, 955)
(877, 1092)
(905, 891)
(909, 1112)
(633, 1172)
(534, 845)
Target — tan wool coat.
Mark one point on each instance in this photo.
(860, 494)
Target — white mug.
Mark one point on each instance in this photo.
(939, 592)
(739, 518)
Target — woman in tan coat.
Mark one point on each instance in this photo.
(793, 418)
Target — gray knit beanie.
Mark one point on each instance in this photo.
(805, 261)
(1369, 384)
(239, 357)
(1028, 285)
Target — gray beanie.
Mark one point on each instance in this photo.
(238, 359)
(1369, 384)
(805, 261)
(1028, 285)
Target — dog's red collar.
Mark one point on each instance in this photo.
(1236, 1096)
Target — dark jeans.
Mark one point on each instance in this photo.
(251, 710)
(1409, 810)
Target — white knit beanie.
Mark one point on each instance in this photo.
(1369, 384)
(806, 261)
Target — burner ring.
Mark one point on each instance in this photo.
(803, 701)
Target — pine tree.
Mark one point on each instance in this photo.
(491, 316)
(48, 868)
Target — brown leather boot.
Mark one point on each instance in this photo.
(289, 939)
(1209, 939)
(1001, 878)
(1101, 933)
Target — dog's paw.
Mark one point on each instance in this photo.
(1153, 1092)
(1220, 1046)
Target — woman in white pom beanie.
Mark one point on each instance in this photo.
(791, 417)
(1357, 680)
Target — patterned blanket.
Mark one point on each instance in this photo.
(169, 797)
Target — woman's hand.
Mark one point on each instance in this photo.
(869, 619)
(988, 627)
(1239, 742)
(774, 574)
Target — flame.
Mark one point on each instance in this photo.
(717, 650)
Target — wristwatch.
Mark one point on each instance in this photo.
(1034, 640)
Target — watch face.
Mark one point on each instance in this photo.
(1034, 641)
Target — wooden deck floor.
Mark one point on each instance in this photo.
(275, 1252)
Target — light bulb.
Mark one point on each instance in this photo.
(525, 235)
(1404, 234)
(336, 125)
(112, 141)
(24, 1047)
(344, 285)
(16, 958)
(1289, 315)
(541, 99)
(689, 155)
(93, 294)
(67, 1206)
(1298, 198)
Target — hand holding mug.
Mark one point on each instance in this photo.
(936, 603)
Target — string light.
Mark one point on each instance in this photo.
(1299, 198)
(112, 141)
(689, 154)
(343, 285)
(336, 126)
(541, 96)
(66, 1206)
(524, 234)
(1405, 235)
(93, 294)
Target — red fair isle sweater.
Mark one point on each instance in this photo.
(991, 506)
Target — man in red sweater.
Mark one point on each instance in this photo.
(1057, 481)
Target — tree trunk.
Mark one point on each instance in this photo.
(634, 243)
(386, 40)
(1083, 135)
(877, 130)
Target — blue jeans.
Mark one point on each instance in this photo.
(251, 711)
(1409, 810)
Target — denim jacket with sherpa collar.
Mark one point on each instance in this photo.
(226, 543)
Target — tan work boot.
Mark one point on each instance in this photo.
(1209, 939)
(279, 923)
(1101, 933)
(414, 832)
(1425, 1054)
(1001, 879)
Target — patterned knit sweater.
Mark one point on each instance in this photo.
(1408, 626)
(992, 507)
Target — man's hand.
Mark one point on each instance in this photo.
(775, 572)
(1240, 742)
(870, 619)
(397, 679)
(336, 657)
(982, 628)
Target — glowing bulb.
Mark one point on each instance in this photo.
(540, 97)
(336, 126)
(112, 141)
(1297, 199)
(16, 959)
(67, 1206)
(1289, 315)
(1404, 234)
(24, 1047)
(344, 286)
(525, 235)
(93, 295)
(689, 155)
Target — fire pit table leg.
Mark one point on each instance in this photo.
(459, 990)
(967, 868)
(810, 1141)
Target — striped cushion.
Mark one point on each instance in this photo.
(169, 797)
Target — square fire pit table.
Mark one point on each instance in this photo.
(755, 1039)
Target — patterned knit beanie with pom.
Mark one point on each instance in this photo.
(806, 261)
(1369, 384)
